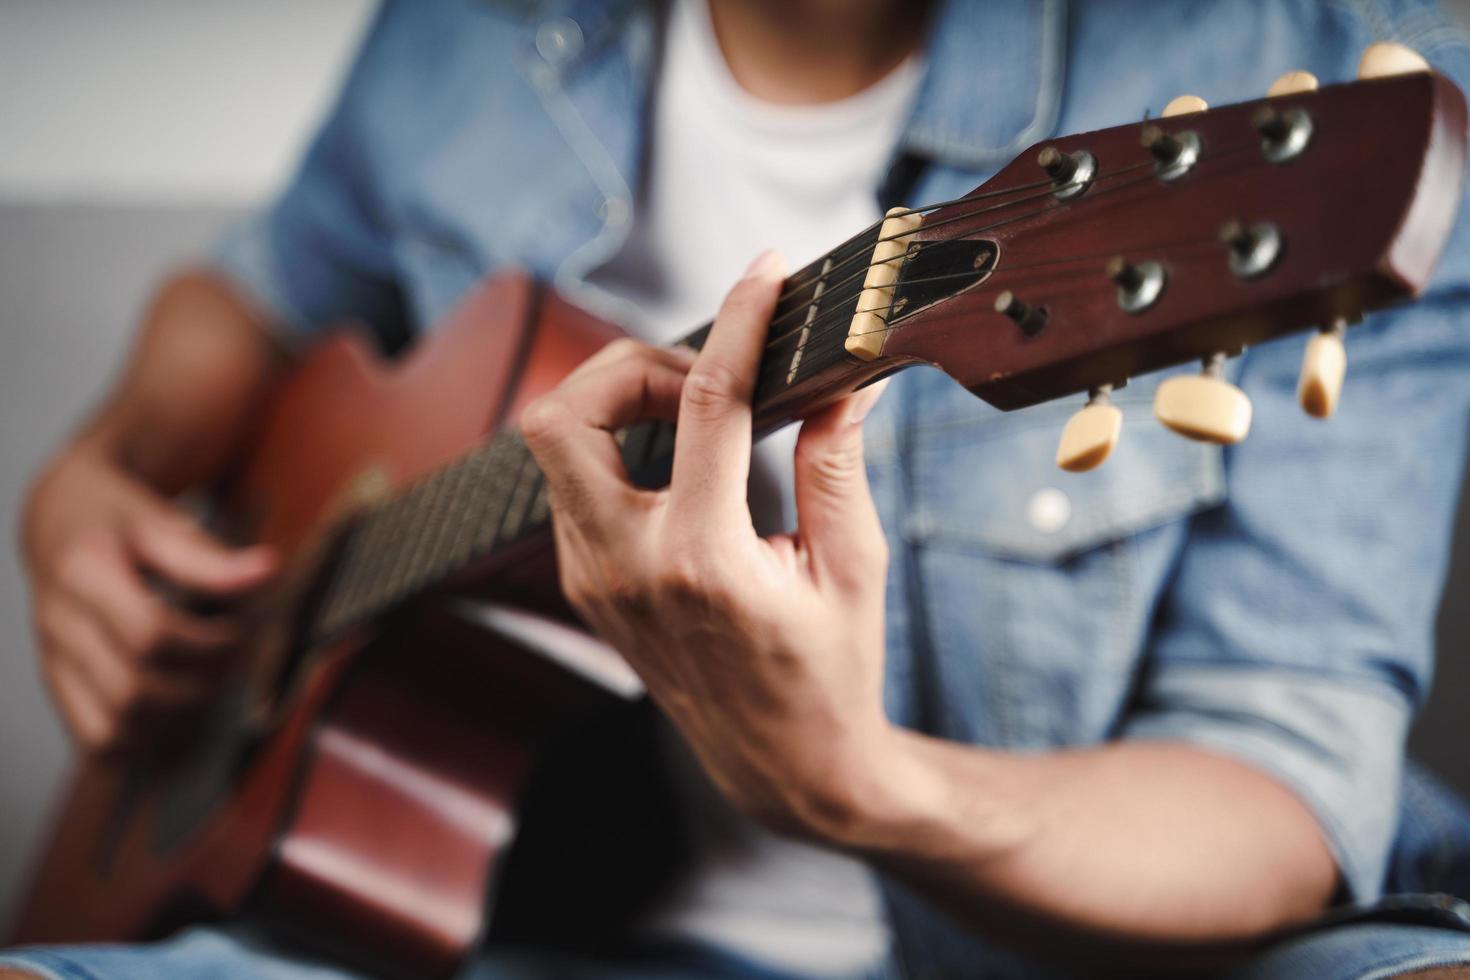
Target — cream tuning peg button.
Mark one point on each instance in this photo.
(1183, 105)
(1091, 434)
(1204, 406)
(1292, 83)
(1383, 58)
(1324, 365)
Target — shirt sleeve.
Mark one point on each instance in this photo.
(1297, 632)
(322, 252)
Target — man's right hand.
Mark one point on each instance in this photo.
(116, 655)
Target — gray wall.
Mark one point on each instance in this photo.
(71, 281)
(128, 133)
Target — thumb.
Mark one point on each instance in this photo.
(172, 545)
(835, 515)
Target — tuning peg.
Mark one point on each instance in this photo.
(1292, 83)
(1139, 284)
(1204, 406)
(1183, 105)
(1324, 364)
(1091, 434)
(1384, 58)
(1031, 319)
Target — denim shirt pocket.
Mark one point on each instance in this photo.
(1037, 585)
(991, 484)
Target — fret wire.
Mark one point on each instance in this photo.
(811, 315)
(524, 524)
(420, 505)
(352, 574)
(370, 562)
(488, 499)
(510, 526)
(487, 479)
(407, 522)
(474, 492)
(541, 506)
(863, 248)
(390, 524)
(449, 518)
(341, 600)
(417, 531)
(497, 490)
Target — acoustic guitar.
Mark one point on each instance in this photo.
(362, 777)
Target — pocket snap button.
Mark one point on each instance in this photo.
(559, 40)
(1049, 510)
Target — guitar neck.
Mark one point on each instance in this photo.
(1085, 262)
(494, 499)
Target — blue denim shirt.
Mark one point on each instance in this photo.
(1272, 601)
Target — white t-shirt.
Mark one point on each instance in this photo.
(730, 176)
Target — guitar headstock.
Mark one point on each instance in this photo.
(1094, 258)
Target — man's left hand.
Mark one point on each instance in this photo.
(767, 653)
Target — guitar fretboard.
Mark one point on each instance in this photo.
(496, 496)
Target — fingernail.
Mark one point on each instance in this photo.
(864, 400)
(684, 353)
(767, 264)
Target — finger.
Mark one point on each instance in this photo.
(836, 518)
(712, 443)
(105, 584)
(570, 431)
(70, 633)
(93, 726)
(136, 619)
(175, 547)
(680, 358)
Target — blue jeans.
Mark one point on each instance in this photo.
(1356, 950)
(1418, 926)
(242, 953)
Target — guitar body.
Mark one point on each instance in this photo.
(378, 804)
(363, 780)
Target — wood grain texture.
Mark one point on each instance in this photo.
(373, 810)
(371, 816)
(1363, 222)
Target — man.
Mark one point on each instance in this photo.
(1140, 720)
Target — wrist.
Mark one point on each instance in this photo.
(870, 793)
(921, 796)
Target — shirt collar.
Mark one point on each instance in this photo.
(993, 71)
(993, 82)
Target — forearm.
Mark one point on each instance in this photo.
(767, 655)
(201, 361)
(1148, 850)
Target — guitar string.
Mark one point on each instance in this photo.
(1052, 189)
(952, 219)
(1218, 155)
(823, 332)
(947, 220)
(1088, 271)
(1031, 267)
(833, 322)
(929, 226)
(857, 240)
